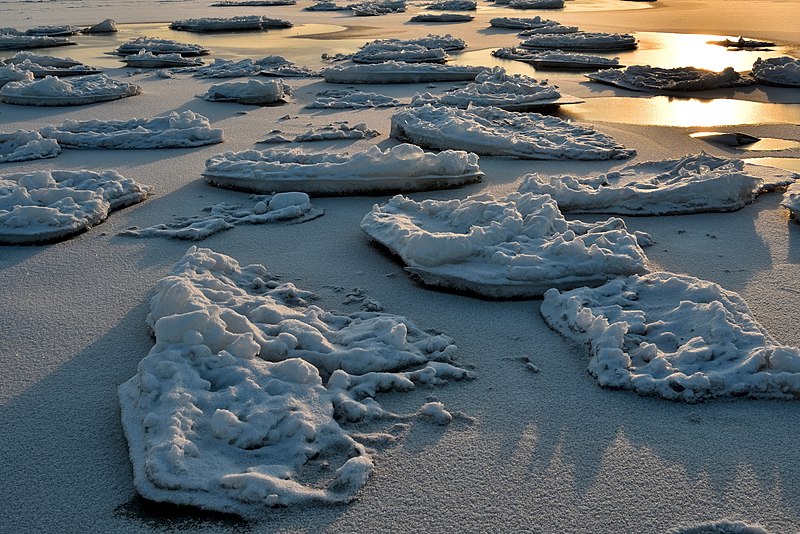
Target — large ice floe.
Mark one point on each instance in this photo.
(674, 336)
(515, 92)
(174, 130)
(581, 41)
(23, 145)
(374, 9)
(20, 41)
(515, 246)
(289, 207)
(557, 59)
(43, 206)
(266, 66)
(41, 65)
(254, 92)
(326, 6)
(240, 23)
(657, 79)
(159, 46)
(149, 60)
(347, 98)
(518, 23)
(490, 131)
(400, 72)
(237, 407)
(399, 168)
(782, 71)
(53, 91)
(693, 184)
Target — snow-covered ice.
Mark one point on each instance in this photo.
(106, 26)
(53, 30)
(453, 5)
(12, 73)
(693, 184)
(557, 59)
(791, 201)
(10, 41)
(174, 130)
(444, 17)
(515, 246)
(43, 206)
(534, 4)
(160, 46)
(399, 72)
(782, 71)
(148, 60)
(41, 65)
(255, 92)
(24, 145)
(674, 336)
(658, 79)
(328, 132)
(374, 9)
(326, 6)
(406, 52)
(581, 41)
(265, 66)
(53, 91)
(518, 23)
(490, 131)
(346, 98)
(399, 168)
(229, 24)
(236, 407)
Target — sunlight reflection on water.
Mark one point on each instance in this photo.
(788, 164)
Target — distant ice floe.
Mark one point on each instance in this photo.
(237, 406)
(106, 26)
(218, 24)
(676, 337)
(23, 145)
(693, 184)
(558, 59)
(149, 60)
(53, 30)
(159, 46)
(490, 131)
(657, 79)
(346, 99)
(377, 8)
(581, 41)
(290, 207)
(532, 4)
(330, 132)
(20, 41)
(253, 3)
(266, 66)
(406, 52)
(41, 65)
(174, 130)
(515, 92)
(326, 6)
(454, 5)
(399, 72)
(522, 23)
(53, 91)
(781, 71)
(551, 29)
(254, 92)
(742, 43)
(444, 17)
(399, 168)
(43, 206)
(515, 246)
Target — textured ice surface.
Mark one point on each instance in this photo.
(237, 406)
(174, 130)
(720, 527)
(346, 98)
(44, 206)
(40, 65)
(647, 78)
(692, 184)
(53, 30)
(250, 92)
(444, 17)
(399, 168)
(581, 41)
(557, 58)
(791, 201)
(400, 72)
(266, 66)
(218, 24)
(522, 23)
(328, 132)
(149, 60)
(372, 9)
(515, 246)
(53, 91)
(326, 6)
(674, 336)
(782, 71)
(380, 52)
(553, 28)
(160, 46)
(24, 145)
(12, 73)
(491, 131)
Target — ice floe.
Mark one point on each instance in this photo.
(265, 66)
(791, 201)
(174, 130)
(253, 3)
(12, 73)
(254, 92)
(514, 246)
(218, 24)
(782, 71)
(558, 59)
(290, 207)
(399, 168)
(53, 91)
(236, 407)
(742, 43)
(674, 336)
(43, 206)
(553, 28)
(406, 52)
(329, 132)
(24, 145)
(346, 98)
(444, 17)
(12, 41)
(581, 41)
(106, 26)
(326, 6)
(518, 23)
(400, 72)
(53, 31)
(149, 60)
(492, 131)
(693, 184)
(533, 4)
(41, 65)
(454, 5)
(373, 9)
(159, 46)
(657, 79)
(726, 138)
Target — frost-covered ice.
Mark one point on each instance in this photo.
(399, 72)
(53, 91)
(399, 168)
(174, 130)
(255, 92)
(41, 65)
(557, 59)
(265, 66)
(218, 24)
(10, 41)
(287, 207)
(106, 26)
(522, 23)
(24, 145)
(409, 53)
(160, 46)
(674, 336)
(515, 92)
(454, 5)
(235, 408)
(444, 17)
(42, 206)
(647, 78)
(492, 131)
(782, 71)
(345, 98)
(515, 246)
(12, 73)
(149, 60)
(329, 132)
(693, 184)
(581, 41)
(791, 201)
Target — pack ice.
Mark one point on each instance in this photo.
(519, 23)
(24, 145)
(647, 78)
(53, 91)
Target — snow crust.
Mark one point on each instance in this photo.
(515, 246)
(693, 184)
(328, 132)
(237, 406)
(782, 71)
(24, 145)
(250, 92)
(399, 72)
(399, 168)
(174, 130)
(676, 337)
(43, 206)
(219, 24)
(53, 91)
(647, 78)
(345, 98)
(160, 46)
(581, 41)
(491, 131)
(265, 66)
(557, 58)
(148, 60)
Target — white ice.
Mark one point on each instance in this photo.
(444, 17)
(515, 246)
(255, 92)
(581, 41)
(647, 78)
(53, 30)
(553, 28)
(399, 72)
(791, 201)
(53, 91)
(346, 98)
(23, 145)
(782, 71)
